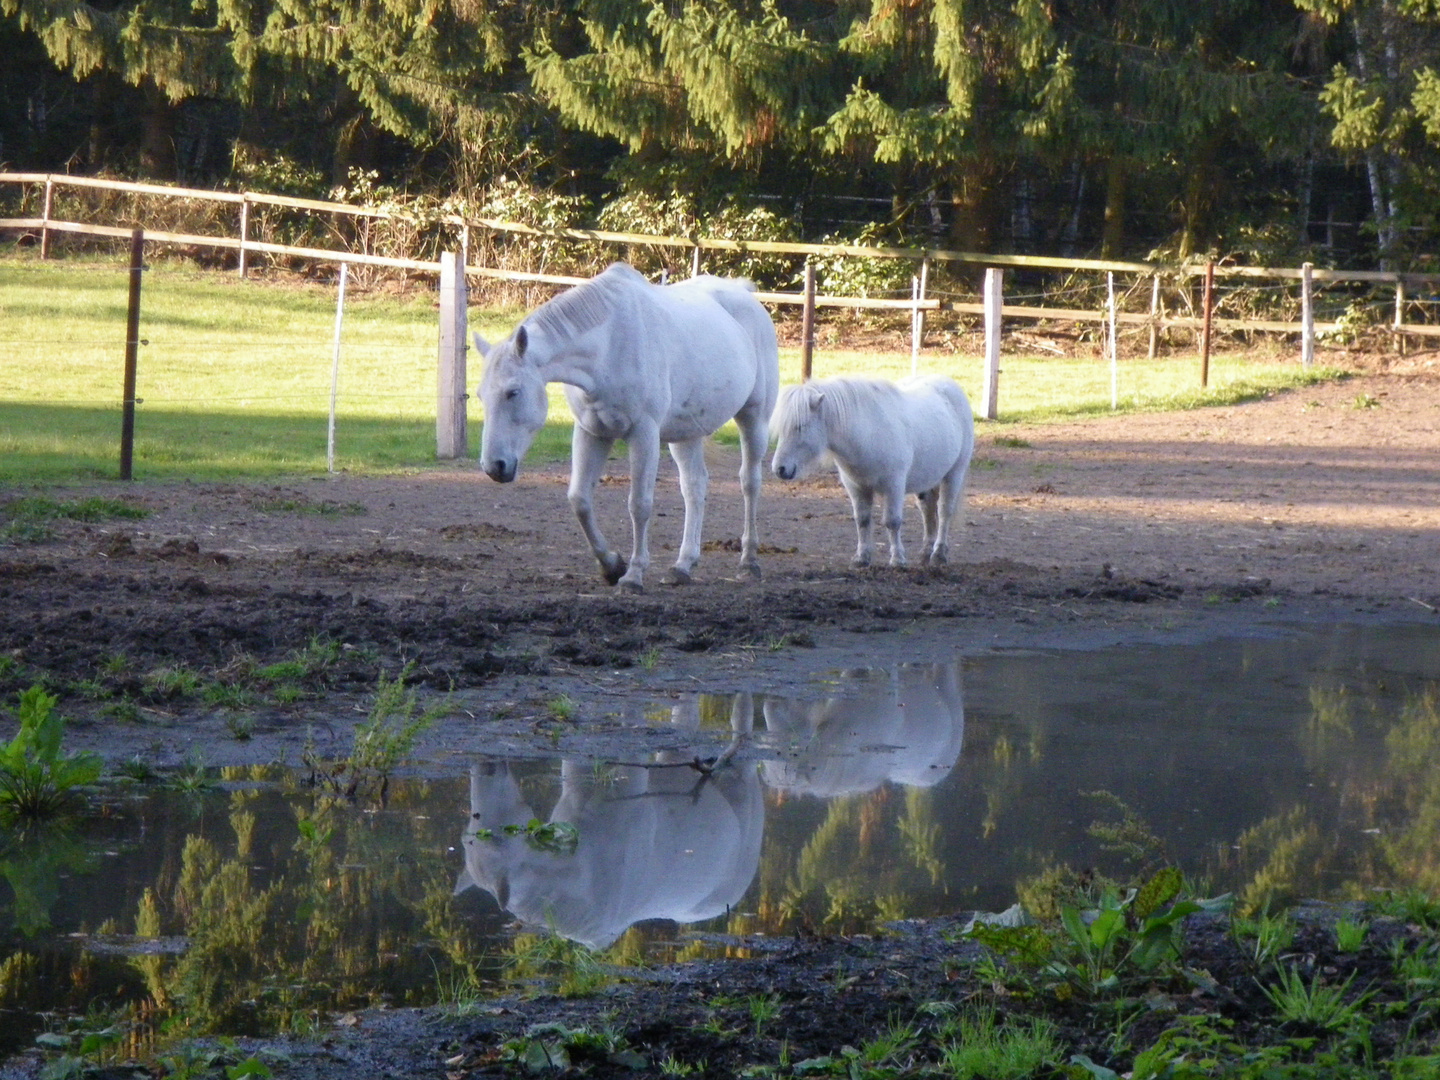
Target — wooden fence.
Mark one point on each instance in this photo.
(990, 306)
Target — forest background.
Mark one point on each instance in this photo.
(1269, 132)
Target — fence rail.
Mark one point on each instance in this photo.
(1157, 318)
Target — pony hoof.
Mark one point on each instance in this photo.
(750, 572)
(633, 588)
(677, 576)
(613, 571)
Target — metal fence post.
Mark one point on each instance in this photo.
(335, 368)
(451, 395)
(1307, 315)
(807, 324)
(132, 356)
(1207, 315)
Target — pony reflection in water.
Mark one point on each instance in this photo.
(653, 843)
(904, 726)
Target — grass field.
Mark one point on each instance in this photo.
(234, 376)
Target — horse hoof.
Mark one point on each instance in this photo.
(677, 576)
(613, 570)
(750, 572)
(633, 588)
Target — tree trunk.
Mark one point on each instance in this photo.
(157, 144)
(354, 137)
(1117, 184)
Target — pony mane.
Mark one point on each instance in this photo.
(841, 400)
(588, 305)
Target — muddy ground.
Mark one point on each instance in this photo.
(1316, 504)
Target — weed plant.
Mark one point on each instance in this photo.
(37, 778)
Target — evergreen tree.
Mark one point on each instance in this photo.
(1384, 99)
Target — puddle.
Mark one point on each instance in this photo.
(1304, 764)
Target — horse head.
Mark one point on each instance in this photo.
(513, 393)
(800, 430)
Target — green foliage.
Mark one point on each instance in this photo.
(38, 779)
(560, 837)
(1315, 1005)
(848, 275)
(1128, 935)
(1263, 937)
(29, 520)
(979, 1046)
(386, 738)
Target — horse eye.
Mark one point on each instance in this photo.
(512, 393)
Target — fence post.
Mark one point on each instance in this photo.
(1307, 315)
(244, 231)
(450, 402)
(1154, 316)
(1112, 343)
(1205, 315)
(917, 315)
(695, 261)
(1400, 315)
(335, 368)
(45, 218)
(132, 356)
(807, 324)
(994, 299)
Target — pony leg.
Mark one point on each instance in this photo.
(952, 497)
(588, 454)
(894, 518)
(754, 427)
(862, 501)
(644, 463)
(928, 514)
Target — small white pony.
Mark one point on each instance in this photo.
(647, 364)
(915, 436)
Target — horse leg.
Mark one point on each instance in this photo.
(754, 439)
(928, 514)
(952, 497)
(588, 454)
(644, 443)
(694, 482)
(862, 501)
(895, 517)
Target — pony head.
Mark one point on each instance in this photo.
(800, 429)
(513, 392)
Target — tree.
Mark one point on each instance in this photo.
(1384, 99)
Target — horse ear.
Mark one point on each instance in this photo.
(817, 400)
(481, 345)
(522, 339)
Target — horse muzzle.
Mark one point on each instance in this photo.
(785, 472)
(500, 471)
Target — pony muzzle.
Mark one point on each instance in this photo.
(786, 472)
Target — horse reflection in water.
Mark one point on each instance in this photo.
(906, 726)
(663, 842)
(654, 842)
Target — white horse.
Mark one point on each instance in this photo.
(916, 436)
(647, 364)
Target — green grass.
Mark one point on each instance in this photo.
(234, 380)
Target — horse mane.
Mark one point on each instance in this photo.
(587, 305)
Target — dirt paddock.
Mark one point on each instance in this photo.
(1321, 503)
